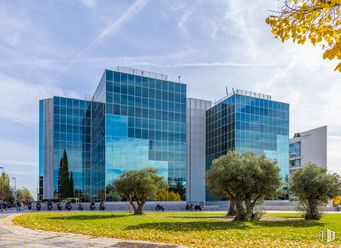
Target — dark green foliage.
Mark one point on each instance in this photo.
(313, 187)
(71, 187)
(138, 186)
(113, 196)
(111, 193)
(244, 179)
(66, 184)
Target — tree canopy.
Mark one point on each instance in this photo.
(138, 186)
(316, 20)
(313, 187)
(23, 195)
(6, 192)
(245, 179)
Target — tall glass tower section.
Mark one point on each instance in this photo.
(135, 119)
(145, 125)
(246, 121)
(64, 126)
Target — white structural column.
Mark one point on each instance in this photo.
(196, 149)
(48, 149)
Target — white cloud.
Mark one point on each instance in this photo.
(210, 44)
(19, 99)
(88, 3)
(28, 154)
(12, 26)
(110, 29)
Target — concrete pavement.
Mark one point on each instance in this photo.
(15, 236)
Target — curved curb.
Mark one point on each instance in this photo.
(18, 236)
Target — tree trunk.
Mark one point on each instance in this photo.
(232, 208)
(240, 211)
(312, 211)
(248, 209)
(139, 209)
(133, 205)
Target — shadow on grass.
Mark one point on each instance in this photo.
(190, 226)
(86, 217)
(301, 223)
(227, 218)
(221, 225)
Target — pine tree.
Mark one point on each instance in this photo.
(71, 187)
(64, 176)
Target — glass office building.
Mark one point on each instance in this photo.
(64, 125)
(138, 119)
(135, 119)
(246, 121)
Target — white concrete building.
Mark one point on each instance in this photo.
(308, 147)
(196, 149)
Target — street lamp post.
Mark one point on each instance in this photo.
(15, 188)
(15, 183)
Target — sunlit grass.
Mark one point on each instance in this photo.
(190, 229)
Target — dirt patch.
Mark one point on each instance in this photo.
(279, 218)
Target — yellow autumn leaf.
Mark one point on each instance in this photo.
(314, 20)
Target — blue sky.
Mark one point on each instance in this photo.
(62, 48)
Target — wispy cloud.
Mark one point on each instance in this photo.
(205, 64)
(113, 27)
(88, 3)
(19, 99)
(18, 162)
(211, 44)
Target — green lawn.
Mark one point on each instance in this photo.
(191, 229)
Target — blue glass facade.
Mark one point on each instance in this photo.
(145, 125)
(71, 132)
(136, 120)
(245, 123)
(131, 122)
(295, 149)
(295, 155)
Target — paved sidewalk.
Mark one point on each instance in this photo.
(16, 236)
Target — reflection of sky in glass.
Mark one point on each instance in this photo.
(247, 123)
(132, 122)
(72, 133)
(123, 153)
(145, 125)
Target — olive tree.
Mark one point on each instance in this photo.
(138, 186)
(313, 187)
(245, 179)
